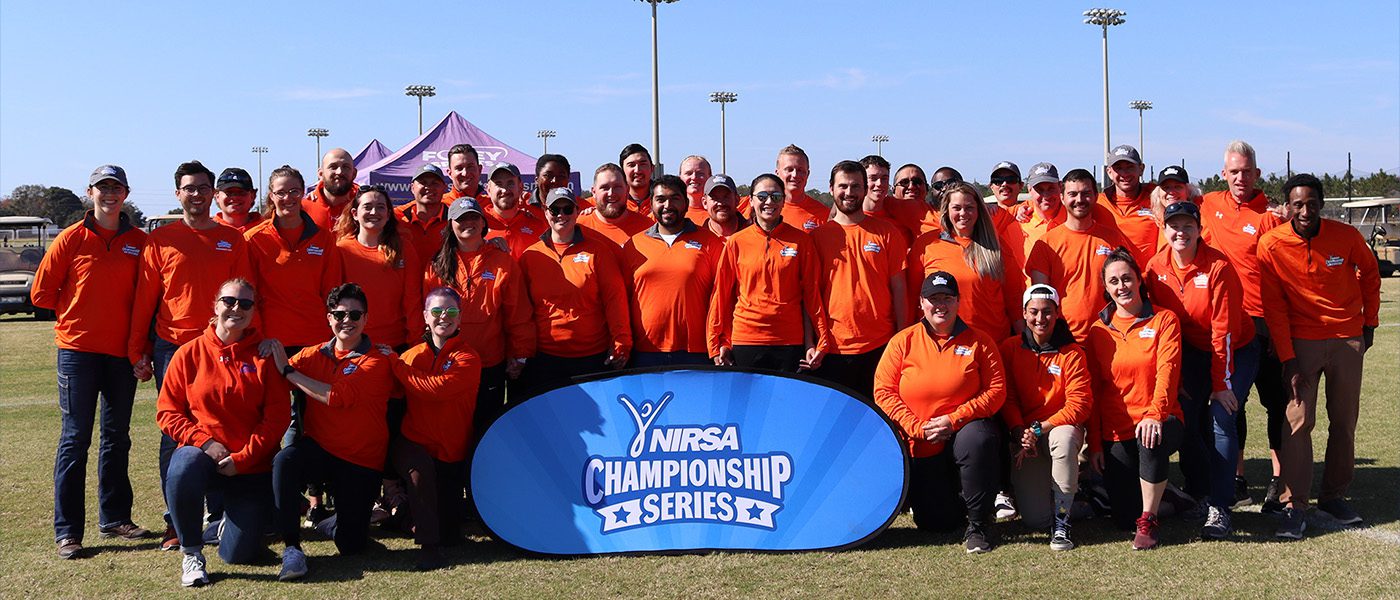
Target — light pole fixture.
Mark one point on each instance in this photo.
(723, 98)
(655, 92)
(545, 134)
(421, 91)
(1141, 105)
(1105, 18)
(879, 140)
(318, 133)
(260, 151)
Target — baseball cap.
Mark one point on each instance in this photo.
(429, 168)
(1122, 153)
(105, 172)
(1040, 290)
(234, 177)
(560, 194)
(461, 206)
(720, 179)
(1043, 173)
(1009, 166)
(504, 166)
(939, 282)
(1174, 173)
(1182, 208)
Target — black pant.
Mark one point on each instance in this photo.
(855, 371)
(777, 358)
(967, 466)
(1126, 462)
(1269, 384)
(1198, 437)
(434, 492)
(546, 371)
(490, 399)
(355, 487)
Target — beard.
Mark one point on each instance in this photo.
(338, 189)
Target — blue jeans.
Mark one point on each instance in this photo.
(160, 361)
(247, 505)
(82, 377)
(1225, 454)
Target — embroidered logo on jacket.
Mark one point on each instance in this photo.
(871, 247)
(315, 250)
(224, 246)
(788, 251)
(582, 257)
(131, 250)
(1334, 261)
(1147, 333)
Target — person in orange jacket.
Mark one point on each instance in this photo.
(696, 172)
(1128, 202)
(941, 382)
(1135, 357)
(1048, 403)
(235, 194)
(799, 209)
(724, 217)
(225, 405)
(441, 376)
(551, 172)
(908, 205)
(637, 167)
(1322, 285)
(336, 189)
(88, 279)
(382, 257)
(507, 216)
(464, 169)
(426, 216)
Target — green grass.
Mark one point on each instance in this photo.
(902, 561)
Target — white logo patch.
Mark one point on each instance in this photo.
(788, 251)
(1042, 170)
(1203, 280)
(1250, 229)
(1219, 215)
(871, 247)
(1144, 212)
(962, 351)
(1147, 333)
(1103, 251)
(527, 231)
(1162, 277)
(694, 245)
(582, 257)
(1054, 370)
(315, 250)
(224, 246)
(131, 250)
(1334, 261)
(488, 276)
(811, 224)
(350, 368)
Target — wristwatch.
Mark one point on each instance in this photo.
(1035, 428)
(288, 370)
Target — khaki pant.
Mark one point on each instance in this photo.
(1340, 362)
(1049, 481)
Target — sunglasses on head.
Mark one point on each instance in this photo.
(353, 315)
(243, 303)
(766, 196)
(1004, 180)
(438, 311)
(560, 210)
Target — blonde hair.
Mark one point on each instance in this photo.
(1160, 202)
(984, 253)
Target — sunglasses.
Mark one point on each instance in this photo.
(939, 185)
(1004, 180)
(560, 210)
(438, 311)
(341, 315)
(911, 182)
(242, 303)
(766, 196)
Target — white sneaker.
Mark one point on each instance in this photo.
(1005, 507)
(192, 571)
(293, 564)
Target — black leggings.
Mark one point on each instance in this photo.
(1126, 462)
(1269, 384)
(777, 358)
(354, 487)
(959, 484)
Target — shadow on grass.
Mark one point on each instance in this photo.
(118, 547)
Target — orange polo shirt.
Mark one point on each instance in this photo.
(1009, 232)
(395, 292)
(1048, 385)
(351, 424)
(987, 304)
(579, 296)
(497, 320)
(427, 233)
(1235, 229)
(226, 393)
(1206, 297)
(1133, 216)
(766, 284)
(254, 219)
(671, 286)
(857, 263)
(441, 396)
(1136, 370)
(805, 213)
(520, 232)
(88, 278)
(322, 212)
(922, 375)
(713, 228)
(619, 230)
(1073, 261)
(912, 215)
(1328, 287)
(1034, 225)
(480, 196)
(696, 214)
(181, 271)
(293, 280)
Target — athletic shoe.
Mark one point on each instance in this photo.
(192, 573)
(1271, 504)
(1005, 507)
(976, 540)
(1292, 523)
(1340, 511)
(327, 527)
(317, 514)
(171, 540)
(69, 548)
(126, 531)
(1146, 536)
(293, 564)
(1059, 534)
(1242, 497)
(1217, 525)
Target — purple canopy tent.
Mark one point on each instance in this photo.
(396, 171)
(372, 153)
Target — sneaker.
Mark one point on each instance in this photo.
(1059, 534)
(317, 514)
(1005, 507)
(293, 564)
(976, 540)
(126, 531)
(1217, 525)
(69, 548)
(1271, 505)
(1292, 523)
(1242, 497)
(1146, 536)
(327, 527)
(1340, 511)
(192, 573)
(213, 532)
(170, 540)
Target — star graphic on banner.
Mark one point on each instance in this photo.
(755, 512)
(621, 514)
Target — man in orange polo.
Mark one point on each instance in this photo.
(637, 167)
(799, 209)
(464, 167)
(695, 171)
(326, 204)
(610, 216)
(235, 194)
(721, 205)
(1129, 202)
(1045, 210)
(506, 216)
(425, 217)
(1323, 289)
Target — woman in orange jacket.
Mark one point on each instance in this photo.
(1135, 358)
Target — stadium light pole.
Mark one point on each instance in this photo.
(879, 140)
(1141, 105)
(1104, 18)
(421, 91)
(723, 98)
(655, 91)
(545, 134)
(260, 151)
(318, 133)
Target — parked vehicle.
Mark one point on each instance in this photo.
(22, 244)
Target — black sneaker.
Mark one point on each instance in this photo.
(1340, 511)
(126, 531)
(976, 540)
(1292, 523)
(1242, 492)
(1271, 505)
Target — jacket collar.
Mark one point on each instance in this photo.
(958, 327)
(1059, 337)
(363, 348)
(123, 222)
(686, 227)
(1106, 315)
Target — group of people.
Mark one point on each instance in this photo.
(1003, 338)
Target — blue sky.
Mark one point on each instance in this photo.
(148, 85)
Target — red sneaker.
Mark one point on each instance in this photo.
(1146, 536)
(171, 540)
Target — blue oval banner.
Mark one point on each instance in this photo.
(693, 459)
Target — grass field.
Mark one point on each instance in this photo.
(1329, 563)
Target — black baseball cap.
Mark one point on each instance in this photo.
(234, 177)
(939, 282)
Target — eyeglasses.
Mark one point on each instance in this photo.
(197, 189)
(294, 192)
(560, 209)
(354, 315)
(911, 182)
(768, 196)
(242, 303)
(439, 312)
(1004, 180)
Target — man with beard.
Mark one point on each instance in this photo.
(425, 217)
(695, 171)
(610, 216)
(637, 169)
(235, 194)
(672, 269)
(721, 204)
(505, 217)
(326, 204)
(862, 275)
(464, 167)
(1129, 203)
(799, 209)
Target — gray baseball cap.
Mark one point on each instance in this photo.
(560, 194)
(429, 169)
(504, 166)
(1122, 153)
(105, 172)
(1043, 173)
(721, 180)
(461, 206)
(1009, 166)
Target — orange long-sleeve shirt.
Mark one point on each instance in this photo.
(858, 263)
(1050, 385)
(254, 219)
(181, 271)
(1073, 262)
(1034, 225)
(395, 292)
(441, 388)
(671, 286)
(497, 319)
(293, 279)
(322, 212)
(805, 213)
(1206, 296)
(1133, 216)
(520, 232)
(922, 376)
(1009, 232)
(766, 283)
(987, 304)
(227, 393)
(1136, 372)
(88, 278)
(579, 296)
(427, 233)
(351, 424)
(1327, 287)
(620, 229)
(1235, 229)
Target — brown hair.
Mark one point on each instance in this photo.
(984, 253)
(390, 243)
